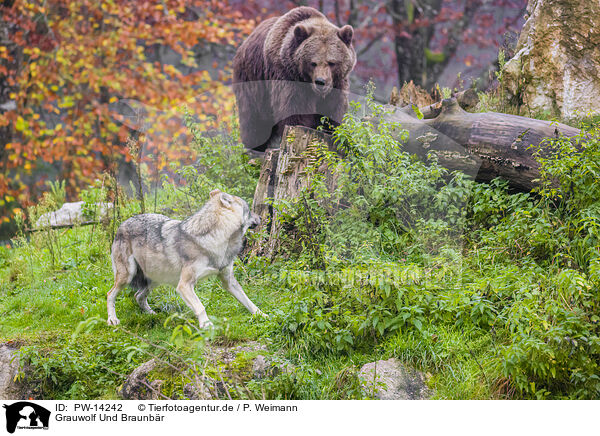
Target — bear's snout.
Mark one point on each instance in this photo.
(321, 86)
(321, 78)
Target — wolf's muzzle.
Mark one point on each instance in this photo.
(254, 221)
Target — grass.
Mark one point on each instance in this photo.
(44, 302)
(492, 294)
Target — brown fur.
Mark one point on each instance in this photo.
(292, 70)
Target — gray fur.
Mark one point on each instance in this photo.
(152, 249)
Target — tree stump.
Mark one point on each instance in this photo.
(283, 176)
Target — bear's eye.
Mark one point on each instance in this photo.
(331, 64)
(313, 64)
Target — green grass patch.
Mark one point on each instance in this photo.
(492, 294)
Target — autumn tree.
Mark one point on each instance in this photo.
(67, 69)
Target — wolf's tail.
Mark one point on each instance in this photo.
(126, 269)
(139, 280)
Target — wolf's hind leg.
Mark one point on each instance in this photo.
(123, 268)
(120, 283)
(141, 296)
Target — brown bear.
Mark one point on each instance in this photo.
(292, 70)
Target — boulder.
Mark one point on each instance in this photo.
(260, 367)
(391, 380)
(71, 213)
(270, 367)
(247, 361)
(10, 388)
(138, 387)
(200, 390)
(556, 68)
(9, 367)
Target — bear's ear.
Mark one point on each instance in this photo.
(301, 32)
(346, 33)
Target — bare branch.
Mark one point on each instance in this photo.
(370, 44)
(367, 20)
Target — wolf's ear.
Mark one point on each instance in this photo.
(226, 199)
(214, 192)
(346, 34)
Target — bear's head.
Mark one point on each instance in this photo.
(324, 55)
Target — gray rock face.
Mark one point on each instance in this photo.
(9, 366)
(556, 67)
(199, 390)
(391, 380)
(260, 367)
(269, 367)
(70, 213)
(137, 387)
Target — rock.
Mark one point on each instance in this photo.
(71, 213)
(10, 105)
(391, 380)
(271, 366)
(137, 386)
(250, 360)
(556, 67)
(235, 361)
(200, 391)
(260, 367)
(9, 368)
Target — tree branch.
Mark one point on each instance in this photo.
(370, 44)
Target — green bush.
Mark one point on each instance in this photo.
(496, 294)
(407, 246)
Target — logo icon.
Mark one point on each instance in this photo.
(26, 415)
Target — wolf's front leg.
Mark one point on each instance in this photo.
(185, 288)
(231, 285)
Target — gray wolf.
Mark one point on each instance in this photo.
(152, 249)
(292, 70)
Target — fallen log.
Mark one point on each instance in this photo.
(466, 99)
(482, 145)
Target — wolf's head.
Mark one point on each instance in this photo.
(235, 209)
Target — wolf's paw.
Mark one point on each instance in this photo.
(206, 324)
(113, 320)
(261, 314)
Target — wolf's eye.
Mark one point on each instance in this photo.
(313, 64)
